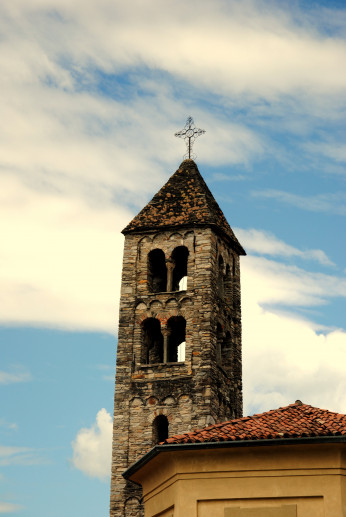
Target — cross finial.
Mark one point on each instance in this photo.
(189, 134)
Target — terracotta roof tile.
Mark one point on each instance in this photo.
(184, 201)
(293, 421)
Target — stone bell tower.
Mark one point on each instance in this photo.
(179, 349)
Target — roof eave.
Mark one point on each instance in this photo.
(154, 229)
(229, 444)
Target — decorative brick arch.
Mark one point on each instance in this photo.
(157, 411)
(136, 402)
(152, 401)
(169, 401)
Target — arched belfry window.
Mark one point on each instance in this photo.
(180, 257)
(220, 278)
(152, 341)
(160, 429)
(157, 271)
(176, 326)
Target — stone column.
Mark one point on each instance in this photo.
(165, 333)
(170, 264)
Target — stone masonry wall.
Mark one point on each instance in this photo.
(203, 389)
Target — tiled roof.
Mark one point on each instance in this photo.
(184, 201)
(297, 420)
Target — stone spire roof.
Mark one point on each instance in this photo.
(297, 420)
(184, 201)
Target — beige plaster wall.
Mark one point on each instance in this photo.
(275, 481)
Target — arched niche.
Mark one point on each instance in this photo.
(141, 307)
(169, 401)
(144, 242)
(185, 400)
(155, 306)
(171, 304)
(152, 401)
(132, 507)
(185, 303)
(175, 237)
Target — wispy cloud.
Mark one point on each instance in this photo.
(334, 203)
(265, 243)
(113, 35)
(8, 425)
(107, 372)
(18, 375)
(221, 176)
(9, 507)
(24, 456)
(92, 447)
(67, 122)
(335, 151)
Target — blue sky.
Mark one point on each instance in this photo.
(92, 94)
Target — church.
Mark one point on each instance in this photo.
(181, 446)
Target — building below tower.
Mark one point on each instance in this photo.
(288, 462)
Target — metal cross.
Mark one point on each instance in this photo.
(189, 134)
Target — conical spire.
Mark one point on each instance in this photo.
(184, 201)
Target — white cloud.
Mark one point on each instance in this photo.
(262, 242)
(241, 47)
(54, 111)
(73, 158)
(9, 507)
(286, 285)
(286, 357)
(60, 263)
(92, 447)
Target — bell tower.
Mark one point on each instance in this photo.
(179, 347)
